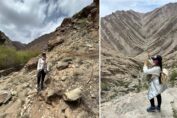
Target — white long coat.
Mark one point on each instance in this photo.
(155, 87)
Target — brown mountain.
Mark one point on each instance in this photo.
(6, 41)
(125, 38)
(71, 86)
(130, 32)
(18, 45)
(41, 43)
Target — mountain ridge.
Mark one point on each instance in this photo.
(139, 29)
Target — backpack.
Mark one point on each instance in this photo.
(164, 76)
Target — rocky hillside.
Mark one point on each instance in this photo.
(41, 43)
(71, 86)
(126, 36)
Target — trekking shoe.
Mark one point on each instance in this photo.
(41, 88)
(158, 108)
(38, 89)
(151, 109)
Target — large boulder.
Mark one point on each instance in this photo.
(73, 95)
(31, 64)
(5, 97)
(55, 42)
(62, 65)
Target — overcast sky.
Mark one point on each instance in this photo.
(109, 6)
(25, 20)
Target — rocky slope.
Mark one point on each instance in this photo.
(126, 36)
(73, 59)
(126, 106)
(41, 43)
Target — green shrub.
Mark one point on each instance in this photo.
(10, 57)
(104, 86)
(173, 76)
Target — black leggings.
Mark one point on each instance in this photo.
(40, 79)
(159, 101)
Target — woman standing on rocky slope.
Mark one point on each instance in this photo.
(155, 85)
(42, 69)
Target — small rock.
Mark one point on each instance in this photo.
(68, 113)
(62, 65)
(64, 78)
(83, 114)
(67, 59)
(76, 27)
(79, 61)
(32, 92)
(52, 94)
(25, 85)
(76, 66)
(3, 115)
(93, 96)
(5, 97)
(13, 93)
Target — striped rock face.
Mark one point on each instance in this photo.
(126, 36)
(131, 33)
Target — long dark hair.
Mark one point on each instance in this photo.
(159, 59)
(160, 64)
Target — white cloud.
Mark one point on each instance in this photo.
(109, 6)
(25, 20)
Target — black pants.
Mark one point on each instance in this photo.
(40, 79)
(159, 101)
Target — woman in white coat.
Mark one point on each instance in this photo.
(42, 69)
(155, 85)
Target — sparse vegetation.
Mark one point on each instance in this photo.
(173, 76)
(10, 57)
(174, 112)
(104, 86)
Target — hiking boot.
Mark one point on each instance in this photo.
(42, 87)
(158, 108)
(151, 109)
(38, 89)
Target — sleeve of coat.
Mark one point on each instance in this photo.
(38, 64)
(48, 67)
(150, 70)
